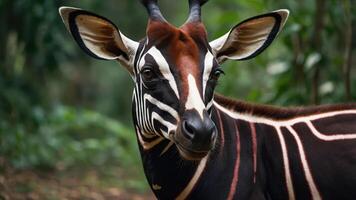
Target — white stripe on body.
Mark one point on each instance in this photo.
(274, 122)
(287, 174)
(188, 189)
(314, 191)
(331, 137)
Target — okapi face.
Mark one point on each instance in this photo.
(175, 69)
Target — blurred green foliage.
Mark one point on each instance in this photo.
(60, 108)
(68, 137)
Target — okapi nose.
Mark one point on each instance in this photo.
(201, 132)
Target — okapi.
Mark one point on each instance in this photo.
(196, 144)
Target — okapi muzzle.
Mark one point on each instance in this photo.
(195, 136)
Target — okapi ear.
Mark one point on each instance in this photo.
(99, 37)
(249, 38)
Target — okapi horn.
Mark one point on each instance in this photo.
(195, 10)
(153, 10)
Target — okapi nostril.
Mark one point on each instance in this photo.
(189, 131)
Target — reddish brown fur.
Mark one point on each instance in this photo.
(158, 31)
(195, 30)
(185, 56)
(182, 48)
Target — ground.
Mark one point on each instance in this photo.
(85, 183)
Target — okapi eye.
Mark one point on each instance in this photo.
(148, 74)
(216, 74)
(149, 78)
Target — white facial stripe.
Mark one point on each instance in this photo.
(194, 100)
(147, 145)
(168, 125)
(163, 67)
(208, 66)
(161, 105)
(208, 106)
(146, 123)
(142, 115)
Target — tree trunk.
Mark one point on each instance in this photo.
(348, 49)
(316, 44)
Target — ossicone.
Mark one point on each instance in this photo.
(153, 10)
(195, 10)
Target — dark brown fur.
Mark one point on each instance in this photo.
(278, 113)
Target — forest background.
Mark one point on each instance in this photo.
(65, 118)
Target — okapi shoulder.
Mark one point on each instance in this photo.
(278, 113)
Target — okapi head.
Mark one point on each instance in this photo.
(175, 69)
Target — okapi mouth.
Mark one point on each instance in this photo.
(185, 147)
(189, 154)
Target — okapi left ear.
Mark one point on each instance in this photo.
(99, 37)
(249, 38)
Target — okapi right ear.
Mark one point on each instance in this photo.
(99, 37)
(249, 38)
